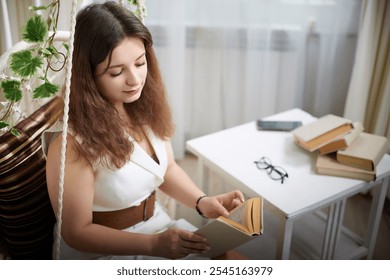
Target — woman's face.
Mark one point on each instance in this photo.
(125, 77)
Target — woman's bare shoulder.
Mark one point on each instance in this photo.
(72, 152)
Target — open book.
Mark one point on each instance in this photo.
(242, 225)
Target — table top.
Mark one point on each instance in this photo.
(232, 152)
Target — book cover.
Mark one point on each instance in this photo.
(322, 131)
(343, 141)
(328, 165)
(242, 225)
(365, 152)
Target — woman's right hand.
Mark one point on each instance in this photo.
(177, 243)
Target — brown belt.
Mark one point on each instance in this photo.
(124, 218)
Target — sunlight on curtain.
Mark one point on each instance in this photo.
(226, 62)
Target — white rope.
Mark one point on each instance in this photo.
(57, 235)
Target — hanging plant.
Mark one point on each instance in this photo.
(37, 60)
(35, 63)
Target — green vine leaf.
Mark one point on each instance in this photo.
(66, 46)
(12, 90)
(3, 124)
(47, 89)
(15, 132)
(35, 30)
(24, 64)
(46, 52)
(53, 51)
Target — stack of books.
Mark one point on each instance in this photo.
(343, 148)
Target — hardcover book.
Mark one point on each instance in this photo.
(322, 131)
(342, 142)
(365, 152)
(242, 225)
(328, 165)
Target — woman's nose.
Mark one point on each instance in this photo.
(132, 78)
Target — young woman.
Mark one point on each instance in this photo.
(118, 149)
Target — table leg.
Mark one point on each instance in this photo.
(378, 200)
(333, 228)
(336, 227)
(284, 240)
(328, 232)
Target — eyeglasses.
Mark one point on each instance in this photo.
(275, 172)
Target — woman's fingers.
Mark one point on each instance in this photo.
(240, 196)
(235, 195)
(221, 205)
(191, 236)
(192, 247)
(231, 200)
(191, 243)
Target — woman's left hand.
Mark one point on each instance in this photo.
(220, 205)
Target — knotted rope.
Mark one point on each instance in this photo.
(57, 235)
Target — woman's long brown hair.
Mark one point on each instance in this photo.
(99, 29)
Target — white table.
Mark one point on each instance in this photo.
(231, 154)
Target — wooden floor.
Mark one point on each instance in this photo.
(308, 231)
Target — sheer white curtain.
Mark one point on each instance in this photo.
(14, 14)
(226, 62)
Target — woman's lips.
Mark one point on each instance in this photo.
(131, 91)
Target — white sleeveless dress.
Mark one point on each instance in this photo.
(126, 187)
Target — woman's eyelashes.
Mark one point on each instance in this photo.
(116, 74)
(138, 65)
(141, 61)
